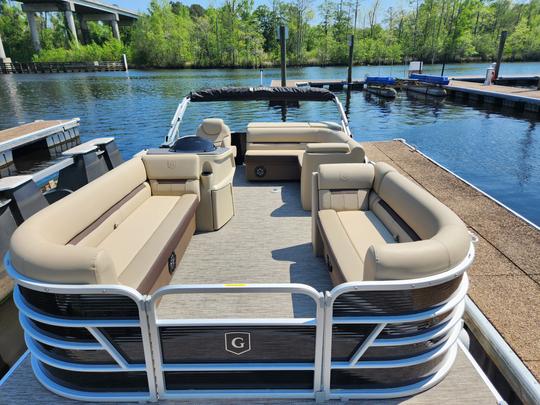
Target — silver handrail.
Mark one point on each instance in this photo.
(160, 367)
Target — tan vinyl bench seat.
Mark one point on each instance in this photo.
(275, 151)
(371, 223)
(352, 231)
(131, 227)
(140, 246)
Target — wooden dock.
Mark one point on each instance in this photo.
(527, 99)
(331, 84)
(62, 67)
(50, 137)
(508, 80)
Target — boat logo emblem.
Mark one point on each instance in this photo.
(343, 177)
(237, 342)
(171, 164)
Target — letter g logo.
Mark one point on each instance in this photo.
(237, 342)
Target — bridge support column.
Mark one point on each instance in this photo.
(33, 30)
(84, 30)
(115, 29)
(71, 24)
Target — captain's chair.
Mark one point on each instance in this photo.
(215, 130)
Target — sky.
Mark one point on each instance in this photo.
(365, 5)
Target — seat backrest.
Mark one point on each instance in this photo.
(40, 247)
(432, 238)
(423, 213)
(173, 174)
(345, 186)
(294, 132)
(314, 157)
(215, 130)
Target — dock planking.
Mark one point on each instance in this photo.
(527, 98)
(29, 128)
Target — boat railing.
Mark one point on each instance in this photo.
(230, 349)
(363, 340)
(85, 335)
(406, 333)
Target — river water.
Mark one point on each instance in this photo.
(498, 151)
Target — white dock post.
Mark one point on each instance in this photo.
(124, 61)
(2, 51)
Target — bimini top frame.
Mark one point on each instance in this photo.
(273, 94)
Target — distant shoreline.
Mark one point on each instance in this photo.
(305, 65)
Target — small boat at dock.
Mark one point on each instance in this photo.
(383, 86)
(429, 85)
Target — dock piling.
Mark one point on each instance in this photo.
(283, 48)
(351, 53)
(502, 41)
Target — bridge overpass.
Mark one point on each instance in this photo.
(83, 10)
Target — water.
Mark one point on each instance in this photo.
(499, 152)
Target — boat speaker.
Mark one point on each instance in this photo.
(260, 171)
(171, 262)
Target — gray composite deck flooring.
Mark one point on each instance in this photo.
(463, 385)
(267, 241)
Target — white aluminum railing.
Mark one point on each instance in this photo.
(446, 333)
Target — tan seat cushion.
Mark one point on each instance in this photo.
(348, 236)
(364, 230)
(131, 235)
(145, 267)
(40, 247)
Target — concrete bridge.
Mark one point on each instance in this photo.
(83, 10)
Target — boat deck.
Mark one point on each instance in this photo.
(268, 240)
(464, 385)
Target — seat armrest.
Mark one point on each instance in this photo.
(404, 261)
(51, 262)
(328, 147)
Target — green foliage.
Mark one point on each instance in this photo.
(14, 32)
(232, 33)
(111, 50)
(162, 37)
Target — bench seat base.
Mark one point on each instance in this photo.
(263, 165)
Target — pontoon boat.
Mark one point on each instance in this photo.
(275, 262)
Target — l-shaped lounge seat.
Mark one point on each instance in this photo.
(294, 150)
(372, 223)
(130, 227)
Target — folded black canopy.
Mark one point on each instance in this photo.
(262, 94)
